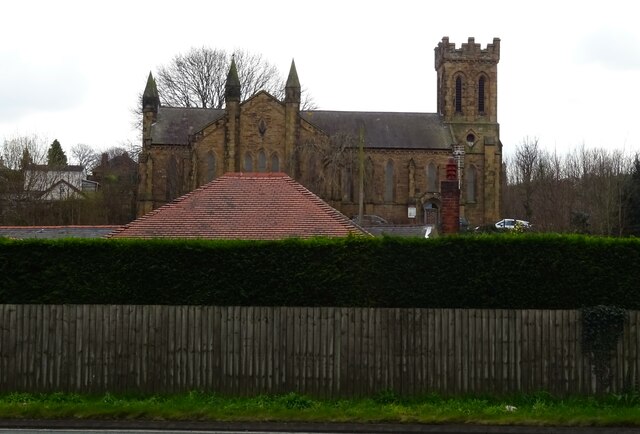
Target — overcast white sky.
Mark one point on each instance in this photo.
(569, 71)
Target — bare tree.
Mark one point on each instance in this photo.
(133, 148)
(330, 165)
(585, 191)
(198, 77)
(194, 79)
(526, 160)
(18, 155)
(85, 156)
(13, 151)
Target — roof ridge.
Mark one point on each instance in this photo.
(344, 220)
(244, 205)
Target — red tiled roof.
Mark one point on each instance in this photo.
(250, 206)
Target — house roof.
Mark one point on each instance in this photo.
(47, 168)
(49, 232)
(386, 129)
(244, 206)
(61, 184)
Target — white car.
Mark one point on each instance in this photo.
(510, 224)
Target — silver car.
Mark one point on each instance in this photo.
(510, 224)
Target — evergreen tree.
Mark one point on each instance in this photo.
(55, 155)
(26, 159)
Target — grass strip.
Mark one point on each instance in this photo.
(536, 409)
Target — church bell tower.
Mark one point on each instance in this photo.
(468, 103)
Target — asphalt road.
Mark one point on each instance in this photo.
(165, 427)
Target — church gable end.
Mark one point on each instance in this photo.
(262, 125)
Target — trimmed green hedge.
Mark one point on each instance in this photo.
(492, 271)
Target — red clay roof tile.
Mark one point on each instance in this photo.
(252, 206)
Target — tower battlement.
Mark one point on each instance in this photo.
(446, 51)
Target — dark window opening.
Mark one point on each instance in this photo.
(481, 95)
(458, 95)
(211, 166)
(432, 178)
(388, 182)
(262, 162)
(472, 175)
(173, 180)
(471, 139)
(347, 185)
(248, 162)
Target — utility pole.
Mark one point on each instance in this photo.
(361, 177)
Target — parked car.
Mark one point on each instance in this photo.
(369, 220)
(510, 224)
(464, 224)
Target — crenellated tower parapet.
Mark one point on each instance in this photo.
(470, 50)
(467, 80)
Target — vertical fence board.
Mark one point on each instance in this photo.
(337, 349)
(358, 349)
(524, 366)
(321, 351)
(38, 335)
(220, 348)
(307, 319)
(472, 357)
(5, 351)
(345, 356)
(276, 373)
(316, 387)
(633, 349)
(379, 351)
(12, 345)
(160, 346)
(209, 366)
(20, 341)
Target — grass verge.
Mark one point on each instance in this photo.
(537, 409)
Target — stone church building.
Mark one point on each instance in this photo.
(394, 161)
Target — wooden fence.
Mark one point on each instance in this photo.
(323, 352)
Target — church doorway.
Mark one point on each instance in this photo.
(431, 213)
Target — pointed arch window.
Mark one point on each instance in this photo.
(173, 179)
(248, 162)
(481, 95)
(262, 161)
(471, 182)
(275, 163)
(432, 178)
(312, 171)
(347, 185)
(368, 180)
(211, 166)
(388, 182)
(458, 101)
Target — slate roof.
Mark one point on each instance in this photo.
(402, 230)
(386, 129)
(174, 124)
(395, 130)
(55, 186)
(254, 206)
(49, 232)
(46, 168)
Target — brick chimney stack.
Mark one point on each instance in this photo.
(450, 194)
